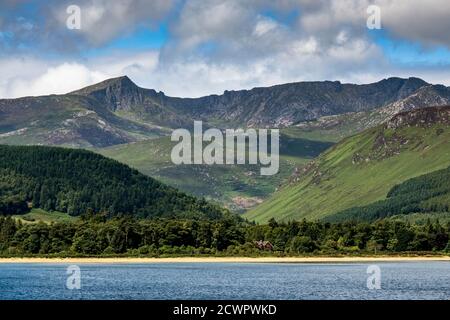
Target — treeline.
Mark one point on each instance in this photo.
(426, 193)
(75, 181)
(230, 235)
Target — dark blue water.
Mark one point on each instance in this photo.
(421, 280)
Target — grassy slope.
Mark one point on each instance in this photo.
(39, 215)
(427, 194)
(236, 186)
(334, 183)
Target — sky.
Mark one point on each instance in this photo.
(191, 48)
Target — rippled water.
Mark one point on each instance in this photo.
(421, 280)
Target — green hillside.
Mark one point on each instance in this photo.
(76, 181)
(236, 186)
(429, 193)
(363, 168)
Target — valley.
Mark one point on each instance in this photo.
(118, 119)
(238, 187)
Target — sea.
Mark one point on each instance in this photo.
(226, 281)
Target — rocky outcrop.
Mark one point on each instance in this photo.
(118, 94)
(425, 117)
(276, 106)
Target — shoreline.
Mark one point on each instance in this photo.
(225, 260)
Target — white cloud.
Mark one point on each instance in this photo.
(359, 62)
(264, 25)
(61, 79)
(328, 41)
(426, 22)
(102, 20)
(27, 76)
(55, 80)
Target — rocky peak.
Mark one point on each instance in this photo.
(424, 117)
(411, 85)
(117, 94)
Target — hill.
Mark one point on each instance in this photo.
(74, 181)
(363, 168)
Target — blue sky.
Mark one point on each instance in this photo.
(199, 47)
(142, 38)
(410, 53)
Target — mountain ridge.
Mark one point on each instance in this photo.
(286, 104)
(118, 111)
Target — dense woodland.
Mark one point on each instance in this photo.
(423, 194)
(96, 235)
(75, 181)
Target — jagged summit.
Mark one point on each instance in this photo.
(123, 81)
(410, 84)
(280, 105)
(116, 94)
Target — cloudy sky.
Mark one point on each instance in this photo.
(198, 47)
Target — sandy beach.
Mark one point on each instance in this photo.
(226, 260)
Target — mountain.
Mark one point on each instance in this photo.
(124, 98)
(118, 94)
(117, 111)
(362, 168)
(74, 181)
(123, 121)
(287, 104)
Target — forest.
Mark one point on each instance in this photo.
(75, 181)
(95, 235)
